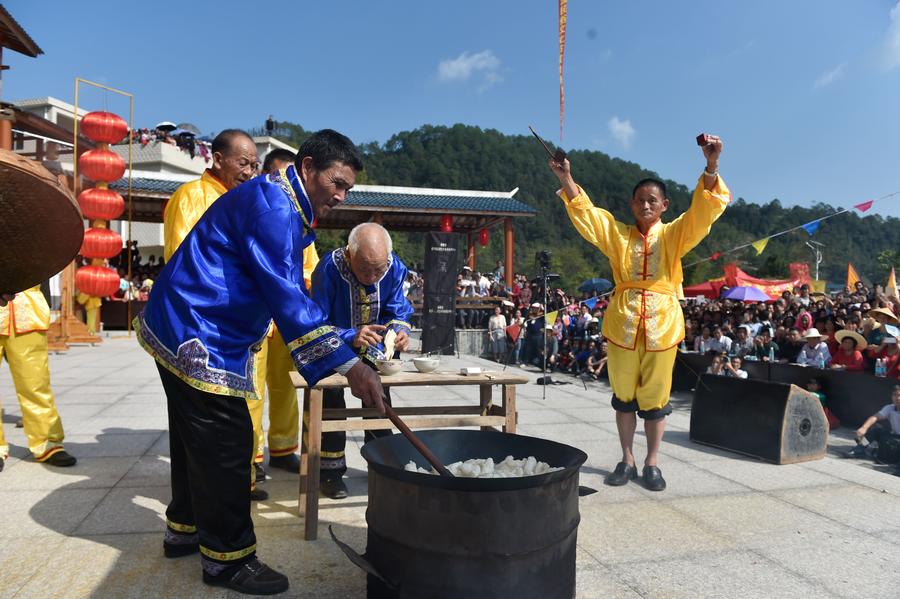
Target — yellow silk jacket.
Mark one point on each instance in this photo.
(185, 208)
(27, 313)
(647, 268)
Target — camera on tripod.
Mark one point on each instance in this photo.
(542, 259)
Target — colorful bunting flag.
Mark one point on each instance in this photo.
(760, 245)
(563, 17)
(715, 256)
(852, 276)
(891, 288)
(551, 318)
(590, 303)
(812, 227)
(864, 206)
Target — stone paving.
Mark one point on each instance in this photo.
(727, 526)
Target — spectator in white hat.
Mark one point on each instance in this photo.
(815, 351)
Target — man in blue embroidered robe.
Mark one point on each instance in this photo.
(241, 266)
(360, 288)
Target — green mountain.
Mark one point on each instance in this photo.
(466, 157)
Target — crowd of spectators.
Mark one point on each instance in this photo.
(853, 330)
(143, 273)
(187, 141)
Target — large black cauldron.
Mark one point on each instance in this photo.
(437, 537)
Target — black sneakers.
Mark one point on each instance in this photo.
(61, 459)
(252, 577)
(333, 488)
(289, 462)
(653, 479)
(621, 475)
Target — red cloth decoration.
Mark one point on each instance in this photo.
(104, 127)
(98, 203)
(447, 223)
(864, 206)
(101, 243)
(484, 237)
(715, 256)
(97, 281)
(101, 165)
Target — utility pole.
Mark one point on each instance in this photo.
(817, 248)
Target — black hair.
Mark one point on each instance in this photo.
(651, 181)
(326, 147)
(277, 154)
(224, 140)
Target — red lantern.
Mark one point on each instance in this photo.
(104, 127)
(484, 237)
(101, 243)
(447, 223)
(102, 165)
(99, 203)
(97, 281)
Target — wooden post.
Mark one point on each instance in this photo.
(310, 461)
(470, 257)
(508, 247)
(509, 408)
(484, 396)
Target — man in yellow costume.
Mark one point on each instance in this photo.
(643, 322)
(23, 341)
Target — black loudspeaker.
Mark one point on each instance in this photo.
(439, 303)
(439, 323)
(778, 423)
(441, 259)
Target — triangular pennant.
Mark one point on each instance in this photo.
(590, 303)
(715, 256)
(852, 276)
(891, 288)
(760, 245)
(551, 318)
(864, 206)
(812, 227)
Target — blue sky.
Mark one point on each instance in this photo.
(806, 93)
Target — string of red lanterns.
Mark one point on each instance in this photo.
(100, 204)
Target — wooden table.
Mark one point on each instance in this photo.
(317, 421)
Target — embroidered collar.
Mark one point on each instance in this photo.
(291, 184)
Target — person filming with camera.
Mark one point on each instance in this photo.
(644, 322)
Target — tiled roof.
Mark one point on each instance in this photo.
(373, 196)
(147, 185)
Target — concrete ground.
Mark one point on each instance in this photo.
(727, 526)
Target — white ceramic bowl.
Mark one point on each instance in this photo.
(389, 367)
(426, 364)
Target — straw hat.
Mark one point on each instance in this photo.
(871, 323)
(885, 313)
(860, 340)
(812, 332)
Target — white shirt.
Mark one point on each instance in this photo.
(811, 355)
(720, 345)
(892, 415)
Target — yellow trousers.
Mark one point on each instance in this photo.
(284, 412)
(30, 369)
(255, 407)
(273, 370)
(641, 375)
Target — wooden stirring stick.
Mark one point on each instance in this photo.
(420, 447)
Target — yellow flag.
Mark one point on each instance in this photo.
(760, 245)
(852, 276)
(551, 318)
(891, 288)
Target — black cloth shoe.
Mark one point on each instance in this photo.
(61, 459)
(173, 550)
(653, 479)
(2, 462)
(290, 462)
(260, 473)
(252, 578)
(333, 488)
(20, 423)
(258, 494)
(621, 475)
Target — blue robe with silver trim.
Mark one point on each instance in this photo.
(239, 267)
(349, 305)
